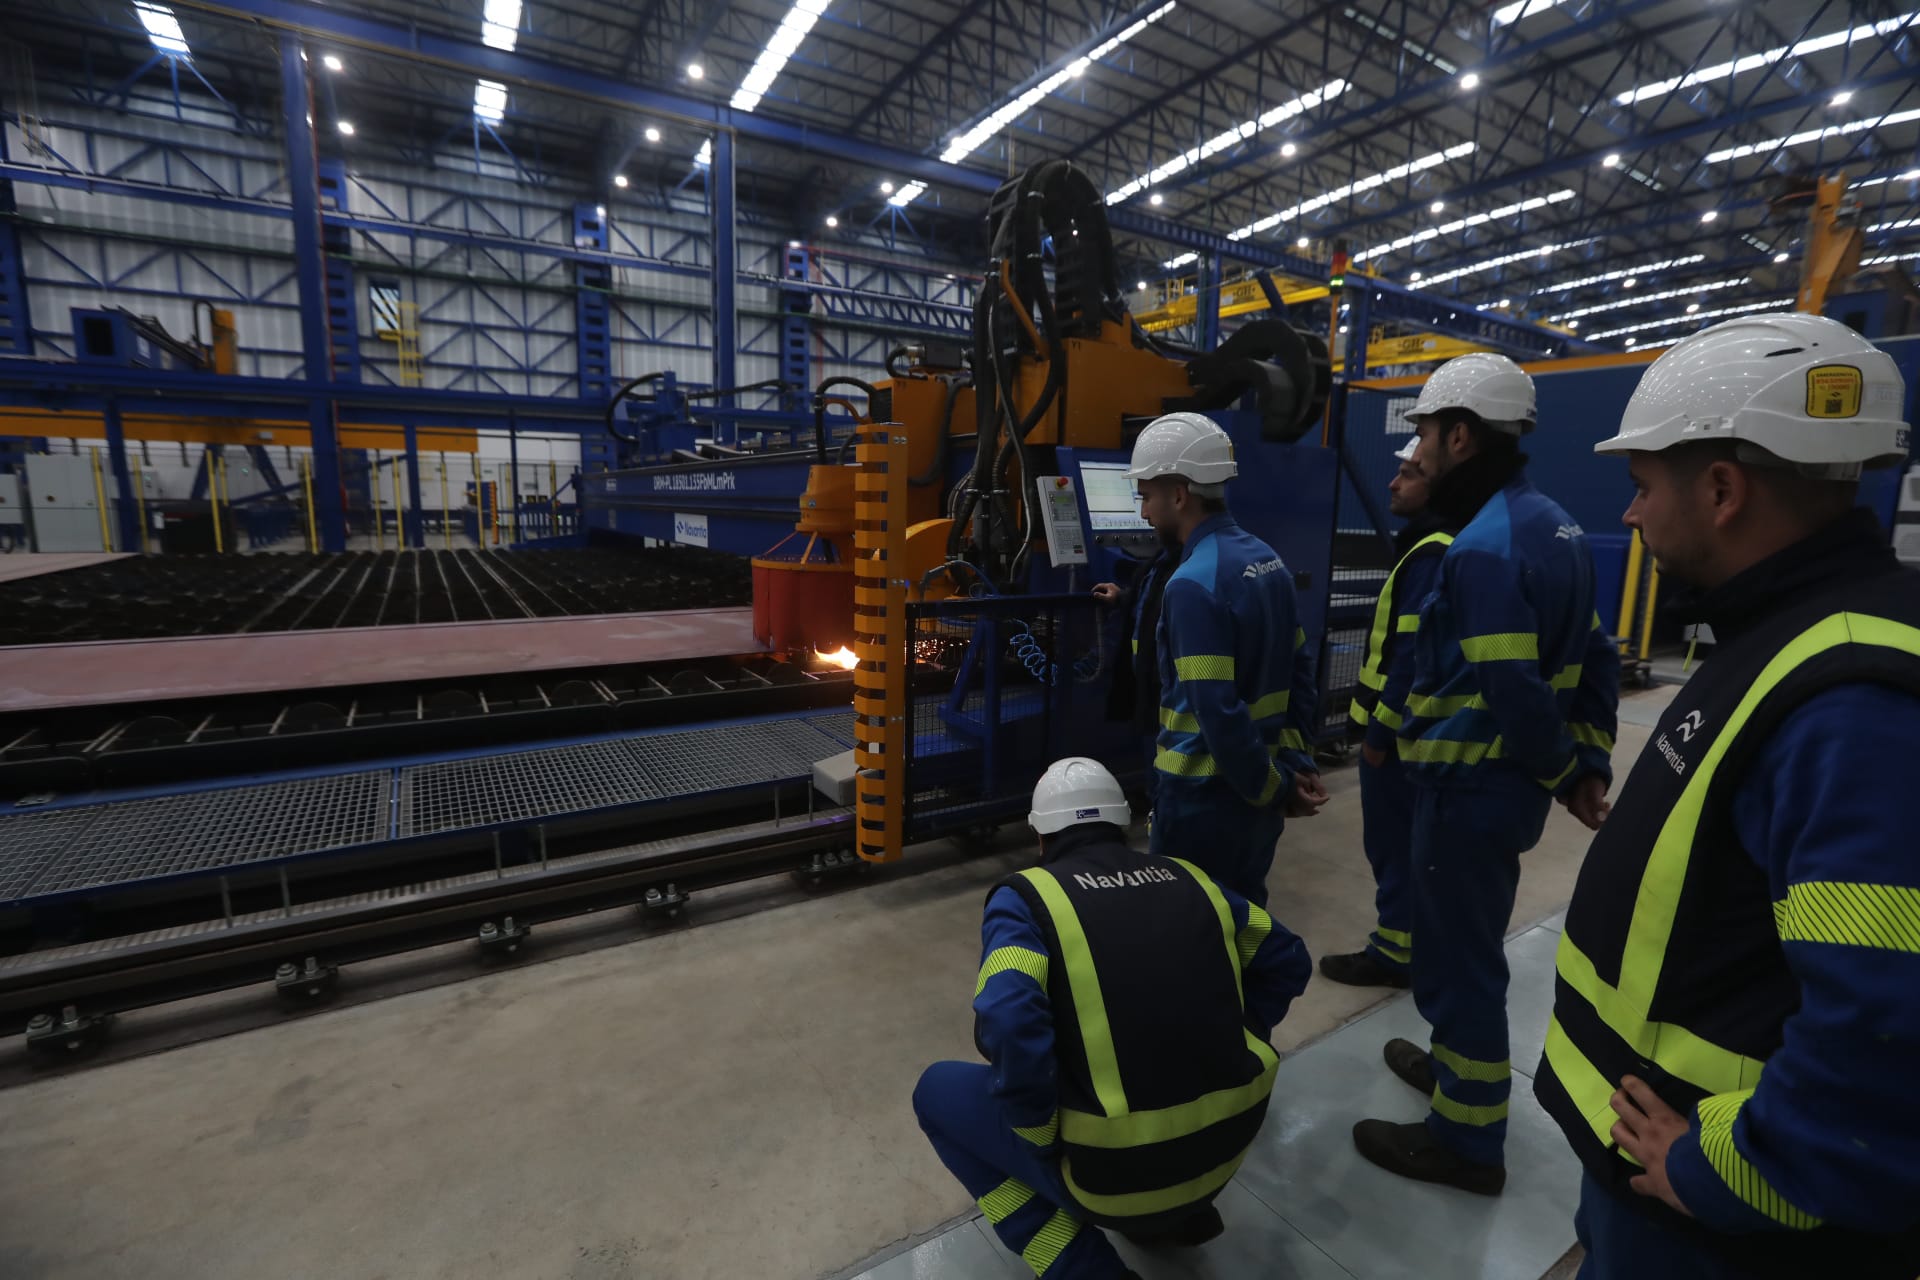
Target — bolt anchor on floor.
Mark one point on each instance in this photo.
(502, 938)
(308, 983)
(70, 1034)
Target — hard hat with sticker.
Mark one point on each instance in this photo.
(1833, 391)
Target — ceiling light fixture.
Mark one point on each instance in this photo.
(345, 127)
(1463, 224)
(781, 45)
(1755, 61)
(1227, 139)
(1709, 215)
(696, 72)
(1641, 300)
(977, 135)
(832, 221)
(1140, 286)
(1841, 98)
(1302, 242)
(1354, 188)
(1437, 206)
(1470, 81)
(1156, 199)
(907, 194)
(1507, 14)
(1507, 259)
(1742, 309)
(1612, 161)
(653, 134)
(332, 63)
(620, 181)
(886, 188)
(1812, 135)
(1779, 257)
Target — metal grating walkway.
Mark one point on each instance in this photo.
(124, 842)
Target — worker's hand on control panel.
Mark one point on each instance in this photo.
(1106, 592)
(1588, 801)
(1309, 793)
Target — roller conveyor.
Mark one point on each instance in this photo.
(85, 849)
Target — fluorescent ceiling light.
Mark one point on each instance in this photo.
(1885, 258)
(1184, 260)
(500, 24)
(1229, 138)
(1641, 299)
(907, 194)
(977, 136)
(490, 101)
(1695, 317)
(1508, 14)
(1354, 188)
(1755, 61)
(783, 44)
(1506, 259)
(1628, 274)
(1911, 175)
(163, 29)
(1811, 135)
(704, 156)
(1462, 224)
(1901, 225)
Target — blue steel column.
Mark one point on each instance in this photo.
(16, 322)
(343, 322)
(310, 269)
(415, 532)
(1207, 301)
(796, 306)
(127, 514)
(592, 313)
(726, 329)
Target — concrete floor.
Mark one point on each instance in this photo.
(730, 1099)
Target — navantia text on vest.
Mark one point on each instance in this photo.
(1124, 879)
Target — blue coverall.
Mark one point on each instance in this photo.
(973, 1113)
(1237, 698)
(1512, 700)
(1386, 797)
(1832, 1124)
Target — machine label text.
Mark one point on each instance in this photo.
(690, 530)
(694, 481)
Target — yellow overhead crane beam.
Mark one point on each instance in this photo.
(1180, 307)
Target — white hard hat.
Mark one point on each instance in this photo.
(1494, 388)
(1806, 389)
(1189, 445)
(1076, 790)
(1406, 451)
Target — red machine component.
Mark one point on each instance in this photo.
(803, 591)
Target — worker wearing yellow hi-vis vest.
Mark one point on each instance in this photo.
(1124, 1005)
(1736, 1020)
(1386, 801)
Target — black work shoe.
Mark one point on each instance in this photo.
(1192, 1231)
(1411, 1063)
(1362, 969)
(1411, 1151)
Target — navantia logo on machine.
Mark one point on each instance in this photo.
(695, 482)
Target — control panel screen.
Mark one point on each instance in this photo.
(1113, 503)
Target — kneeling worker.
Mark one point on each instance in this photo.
(1123, 1006)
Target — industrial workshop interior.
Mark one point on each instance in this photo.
(865, 640)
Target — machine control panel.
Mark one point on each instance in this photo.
(1060, 509)
(1113, 509)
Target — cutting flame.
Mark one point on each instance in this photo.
(841, 657)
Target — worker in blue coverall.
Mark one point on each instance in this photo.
(1136, 689)
(1511, 705)
(1124, 1006)
(1386, 800)
(1737, 1013)
(1233, 759)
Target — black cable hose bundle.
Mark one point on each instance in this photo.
(820, 416)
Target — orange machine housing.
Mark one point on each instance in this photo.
(803, 590)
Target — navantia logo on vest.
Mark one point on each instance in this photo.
(1688, 725)
(1125, 880)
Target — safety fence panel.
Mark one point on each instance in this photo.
(1000, 688)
